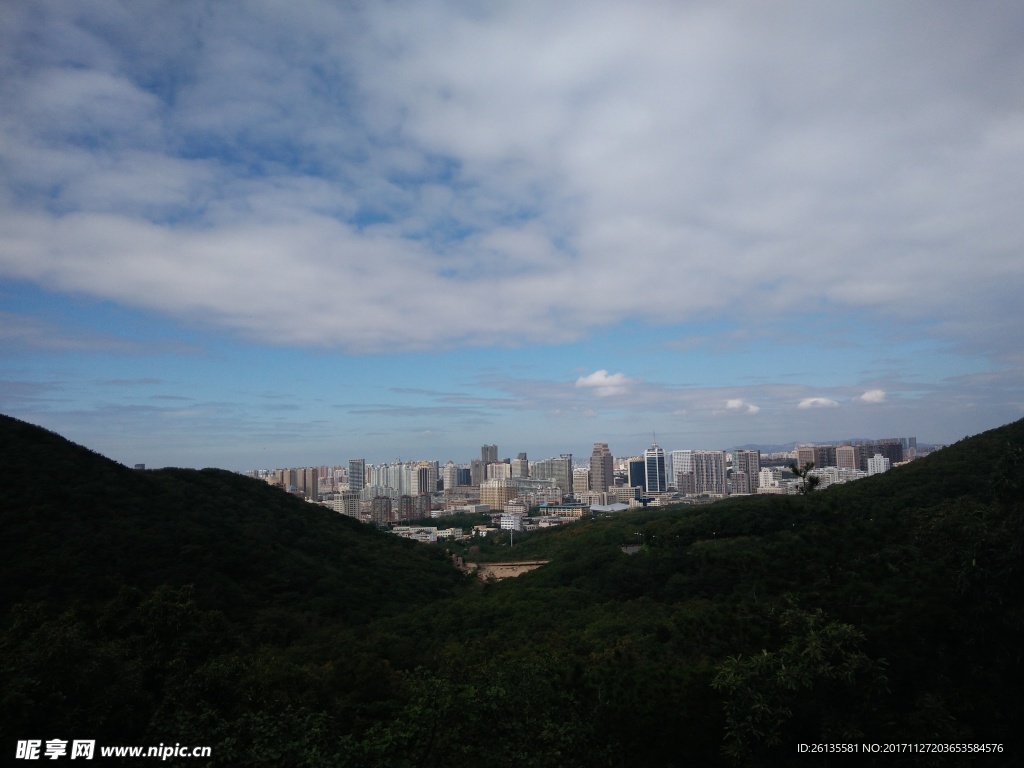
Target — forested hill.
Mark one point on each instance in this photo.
(889, 609)
(78, 526)
(204, 608)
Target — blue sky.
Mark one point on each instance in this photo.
(258, 236)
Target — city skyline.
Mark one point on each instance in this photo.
(270, 238)
(583, 461)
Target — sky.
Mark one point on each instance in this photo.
(271, 234)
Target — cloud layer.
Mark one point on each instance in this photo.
(725, 222)
(817, 402)
(421, 175)
(604, 384)
(873, 396)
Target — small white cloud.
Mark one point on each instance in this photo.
(605, 384)
(736, 404)
(873, 396)
(817, 402)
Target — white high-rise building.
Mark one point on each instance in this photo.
(679, 461)
(520, 466)
(450, 475)
(396, 477)
(878, 464)
(498, 470)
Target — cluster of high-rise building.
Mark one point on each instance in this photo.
(405, 490)
(857, 455)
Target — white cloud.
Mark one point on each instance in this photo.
(873, 396)
(385, 177)
(737, 404)
(604, 384)
(817, 402)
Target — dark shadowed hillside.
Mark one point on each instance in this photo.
(134, 599)
(93, 526)
(177, 605)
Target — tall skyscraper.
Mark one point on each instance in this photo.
(824, 456)
(679, 462)
(557, 469)
(601, 468)
(380, 510)
(424, 478)
(805, 455)
(308, 484)
(498, 470)
(497, 493)
(356, 474)
(636, 476)
(654, 466)
(747, 463)
(520, 466)
(848, 456)
(566, 477)
(890, 448)
(580, 480)
(450, 476)
(709, 472)
(406, 508)
(488, 454)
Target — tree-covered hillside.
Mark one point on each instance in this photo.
(81, 527)
(120, 587)
(201, 607)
